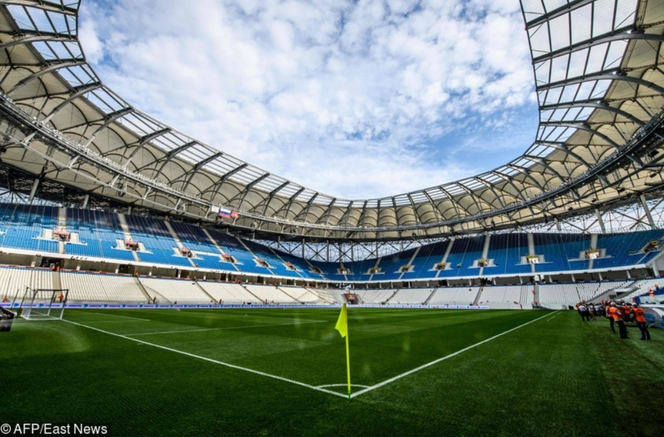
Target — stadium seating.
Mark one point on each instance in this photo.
(228, 293)
(95, 287)
(509, 297)
(414, 296)
(557, 295)
(375, 296)
(101, 235)
(327, 295)
(302, 295)
(506, 251)
(454, 296)
(270, 294)
(427, 258)
(14, 281)
(182, 291)
(465, 251)
(23, 227)
(82, 222)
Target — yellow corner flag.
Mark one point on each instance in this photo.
(342, 327)
(342, 323)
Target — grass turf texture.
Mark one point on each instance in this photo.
(555, 376)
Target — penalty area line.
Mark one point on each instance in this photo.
(122, 317)
(222, 329)
(424, 366)
(210, 360)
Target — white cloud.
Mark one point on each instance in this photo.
(344, 97)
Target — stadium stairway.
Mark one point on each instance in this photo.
(57, 283)
(122, 220)
(478, 295)
(249, 291)
(288, 294)
(200, 287)
(426, 302)
(392, 296)
(326, 296)
(140, 286)
(526, 299)
(216, 244)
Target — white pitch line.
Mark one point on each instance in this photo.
(552, 317)
(114, 315)
(417, 369)
(210, 360)
(118, 321)
(341, 385)
(221, 329)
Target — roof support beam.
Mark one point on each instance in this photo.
(287, 206)
(602, 76)
(564, 148)
(224, 178)
(50, 7)
(78, 93)
(582, 126)
(198, 166)
(248, 188)
(492, 188)
(548, 16)
(307, 208)
(145, 140)
(37, 37)
(47, 69)
(619, 35)
(110, 119)
(594, 104)
(271, 195)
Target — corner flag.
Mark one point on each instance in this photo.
(342, 323)
(342, 327)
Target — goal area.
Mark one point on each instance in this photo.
(44, 303)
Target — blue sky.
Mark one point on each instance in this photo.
(354, 98)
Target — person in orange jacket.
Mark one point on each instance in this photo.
(618, 318)
(641, 322)
(609, 314)
(626, 311)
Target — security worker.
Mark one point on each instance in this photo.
(641, 322)
(609, 314)
(626, 312)
(618, 318)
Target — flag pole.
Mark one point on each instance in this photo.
(342, 327)
(348, 364)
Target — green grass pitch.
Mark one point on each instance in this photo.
(274, 372)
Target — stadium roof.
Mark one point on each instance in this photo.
(598, 80)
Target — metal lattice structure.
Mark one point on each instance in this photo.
(598, 77)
